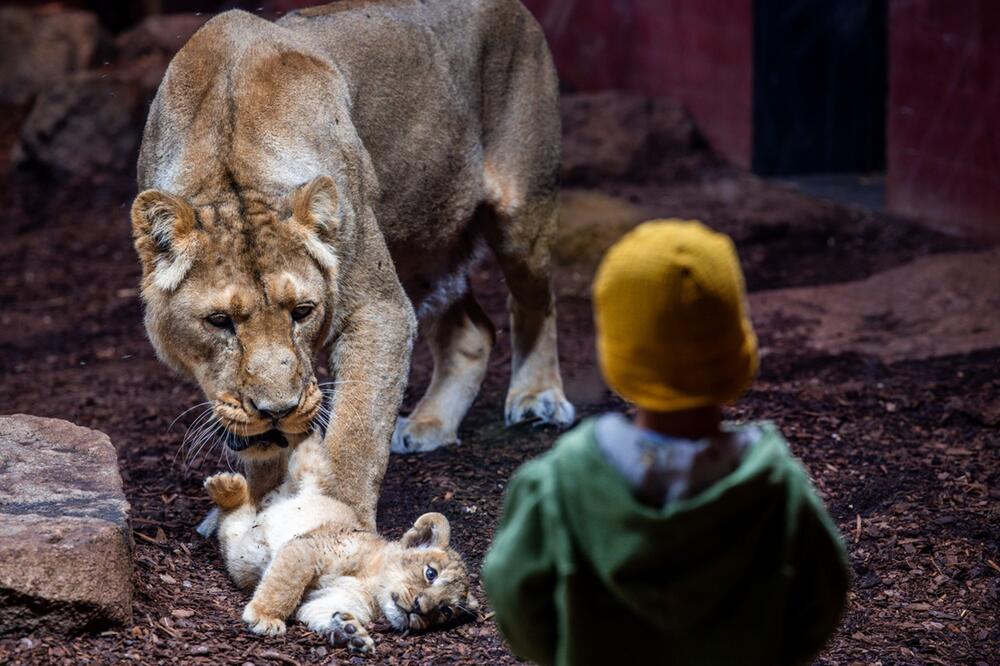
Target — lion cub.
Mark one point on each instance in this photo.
(301, 540)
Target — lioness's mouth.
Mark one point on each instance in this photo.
(272, 437)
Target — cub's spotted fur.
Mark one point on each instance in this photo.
(300, 541)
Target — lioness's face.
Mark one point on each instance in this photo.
(246, 318)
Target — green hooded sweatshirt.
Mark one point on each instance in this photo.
(750, 571)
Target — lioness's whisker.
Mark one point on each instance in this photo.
(189, 409)
(193, 435)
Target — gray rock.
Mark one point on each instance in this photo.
(160, 34)
(90, 125)
(38, 50)
(613, 134)
(65, 538)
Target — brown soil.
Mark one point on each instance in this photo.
(906, 454)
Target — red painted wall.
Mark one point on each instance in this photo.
(699, 52)
(943, 161)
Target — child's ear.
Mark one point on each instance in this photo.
(431, 530)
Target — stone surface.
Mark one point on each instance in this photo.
(90, 125)
(160, 34)
(589, 223)
(612, 134)
(38, 50)
(934, 306)
(65, 537)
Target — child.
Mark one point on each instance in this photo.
(673, 538)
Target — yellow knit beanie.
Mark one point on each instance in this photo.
(672, 325)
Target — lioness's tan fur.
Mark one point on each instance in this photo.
(351, 158)
(302, 541)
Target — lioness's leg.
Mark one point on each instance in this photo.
(520, 235)
(460, 342)
(292, 570)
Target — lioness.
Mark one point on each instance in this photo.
(307, 182)
(300, 540)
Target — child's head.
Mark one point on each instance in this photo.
(673, 331)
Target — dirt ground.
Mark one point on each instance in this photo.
(906, 454)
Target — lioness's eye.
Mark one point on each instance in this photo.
(302, 310)
(430, 573)
(220, 320)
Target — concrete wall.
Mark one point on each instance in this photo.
(944, 113)
(699, 52)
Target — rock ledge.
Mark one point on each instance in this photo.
(65, 537)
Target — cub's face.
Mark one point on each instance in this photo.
(241, 302)
(430, 583)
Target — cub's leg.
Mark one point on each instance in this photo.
(520, 235)
(460, 342)
(340, 610)
(293, 569)
(244, 553)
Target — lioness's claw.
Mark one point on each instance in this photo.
(549, 406)
(411, 437)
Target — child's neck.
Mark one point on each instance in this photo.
(697, 423)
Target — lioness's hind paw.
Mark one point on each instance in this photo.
(229, 491)
(347, 632)
(549, 406)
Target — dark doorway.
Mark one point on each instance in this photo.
(819, 86)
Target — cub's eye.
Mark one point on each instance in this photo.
(220, 320)
(446, 612)
(302, 310)
(430, 573)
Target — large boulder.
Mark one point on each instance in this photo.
(160, 34)
(90, 125)
(38, 50)
(613, 134)
(65, 537)
(934, 306)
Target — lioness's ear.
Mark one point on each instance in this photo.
(161, 229)
(430, 531)
(316, 206)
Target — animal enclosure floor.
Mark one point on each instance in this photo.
(906, 453)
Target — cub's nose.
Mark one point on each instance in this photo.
(274, 411)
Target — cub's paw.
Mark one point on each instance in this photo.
(548, 406)
(345, 631)
(420, 435)
(261, 623)
(228, 491)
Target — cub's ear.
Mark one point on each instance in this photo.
(430, 531)
(316, 207)
(162, 230)
(471, 603)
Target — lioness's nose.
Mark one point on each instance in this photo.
(274, 411)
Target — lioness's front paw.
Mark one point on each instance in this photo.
(261, 623)
(548, 406)
(345, 631)
(418, 436)
(228, 491)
